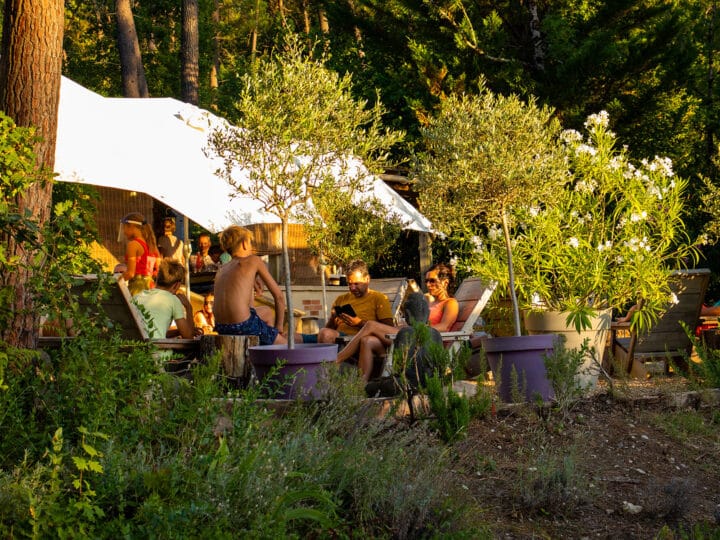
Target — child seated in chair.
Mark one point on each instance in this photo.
(161, 305)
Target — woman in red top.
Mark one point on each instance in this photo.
(141, 253)
(443, 307)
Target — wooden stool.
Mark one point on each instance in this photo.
(233, 351)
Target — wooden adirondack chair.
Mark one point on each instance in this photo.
(119, 310)
(395, 289)
(667, 339)
(472, 296)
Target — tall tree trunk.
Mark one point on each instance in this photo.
(288, 283)
(324, 23)
(133, 74)
(215, 68)
(711, 123)
(537, 38)
(255, 31)
(306, 17)
(356, 29)
(281, 10)
(190, 52)
(511, 273)
(30, 69)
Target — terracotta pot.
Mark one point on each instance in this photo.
(524, 355)
(303, 368)
(553, 322)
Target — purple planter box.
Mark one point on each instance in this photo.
(525, 355)
(303, 367)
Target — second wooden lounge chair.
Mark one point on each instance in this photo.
(472, 296)
(115, 304)
(667, 338)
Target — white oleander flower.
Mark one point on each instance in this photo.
(674, 299)
(601, 119)
(604, 246)
(494, 233)
(655, 192)
(663, 165)
(534, 211)
(570, 136)
(574, 242)
(585, 149)
(616, 163)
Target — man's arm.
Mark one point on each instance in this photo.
(185, 327)
(275, 292)
(332, 321)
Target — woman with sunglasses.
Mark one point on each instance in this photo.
(439, 280)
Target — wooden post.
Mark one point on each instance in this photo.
(425, 249)
(233, 355)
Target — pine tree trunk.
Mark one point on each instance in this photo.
(133, 74)
(215, 68)
(710, 126)
(30, 69)
(306, 16)
(536, 35)
(356, 29)
(324, 23)
(255, 31)
(190, 52)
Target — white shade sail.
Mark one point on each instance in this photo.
(157, 146)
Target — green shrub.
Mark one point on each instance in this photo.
(563, 367)
(451, 410)
(550, 485)
(706, 373)
(179, 459)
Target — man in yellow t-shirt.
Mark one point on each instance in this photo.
(368, 305)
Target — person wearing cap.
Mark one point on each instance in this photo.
(141, 253)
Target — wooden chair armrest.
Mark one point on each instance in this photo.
(455, 336)
(617, 325)
(179, 344)
(52, 342)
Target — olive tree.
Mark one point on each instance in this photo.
(299, 131)
(483, 155)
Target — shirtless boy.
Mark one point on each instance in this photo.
(234, 291)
